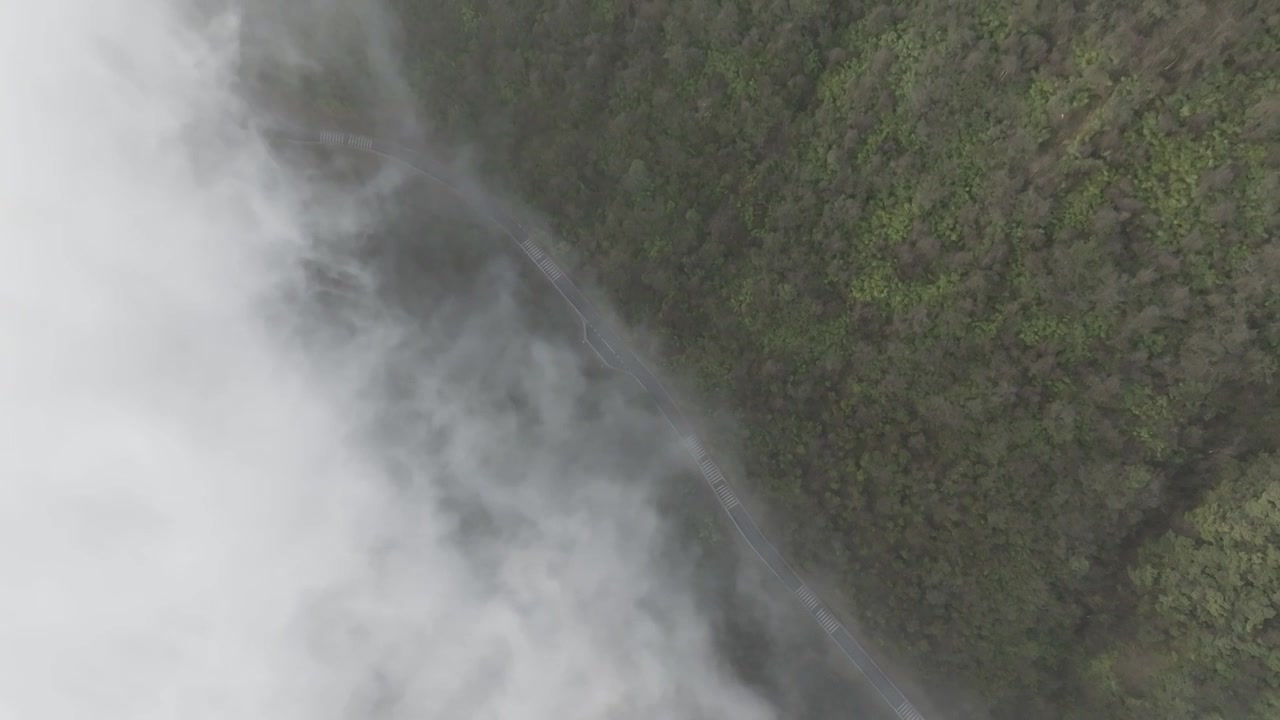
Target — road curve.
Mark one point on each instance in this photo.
(614, 352)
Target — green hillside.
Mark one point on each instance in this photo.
(994, 289)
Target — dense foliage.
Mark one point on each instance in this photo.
(992, 286)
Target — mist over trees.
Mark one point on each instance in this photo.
(285, 434)
(991, 286)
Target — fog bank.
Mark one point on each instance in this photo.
(224, 498)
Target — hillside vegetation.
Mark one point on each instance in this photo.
(993, 287)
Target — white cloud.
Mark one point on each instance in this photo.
(196, 519)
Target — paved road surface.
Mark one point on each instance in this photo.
(613, 351)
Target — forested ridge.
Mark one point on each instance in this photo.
(993, 287)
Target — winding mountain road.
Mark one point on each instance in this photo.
(613, 351)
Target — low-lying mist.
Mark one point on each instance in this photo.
(269, 452)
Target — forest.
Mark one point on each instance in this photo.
(990, 287)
